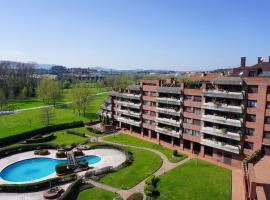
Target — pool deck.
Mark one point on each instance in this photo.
(109, 157)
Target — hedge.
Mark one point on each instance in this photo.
(72, 191)
(48, 129)
(76, 133)
(41, 138)
(41, 185)
(7, 151)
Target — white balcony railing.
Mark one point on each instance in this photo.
(222, 120)
(168, 121)
(129, 104)
(222, 107)
(128, 121)
(168, 132)
(169, 100)
(223, 94)
(168, 111)
(221, 145)
(129, 113)
(125, 95)
(221, 133)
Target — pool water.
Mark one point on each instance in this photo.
(36, 168)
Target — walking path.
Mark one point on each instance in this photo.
(166, 166)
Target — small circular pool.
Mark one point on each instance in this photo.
(36, 168)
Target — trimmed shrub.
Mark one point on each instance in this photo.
(72, 132)
(72, 191)
(175, 153)
(40, 138)
(41, 185)
(135, 196)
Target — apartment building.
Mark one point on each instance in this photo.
(222, 119)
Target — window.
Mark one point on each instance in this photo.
(198, 98)
(197, 110)
(267, 120)
(248, 145)
(196, 122)
(268, 89)
(252, 103)
(266, 134)
(195, 133)
(249, 131)
(187, 120)
(187, 109)
(253, 89)
(251, 118)
(267, 105)
(188, 97)
(186, 130)
(251, 74)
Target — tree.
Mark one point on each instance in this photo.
(46, 116)
(49, 90)
(3, 99)
(81, 98)
(24, 92)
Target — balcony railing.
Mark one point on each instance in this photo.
(104, 113)
(222, 107)
(167, 132)
(129, 104)
(168, 111)
(172, 90)
(129, 113)
(221, 133)
(128, 121)
(221, 145)
(223, 120)
(223, 94)
(106, 107)
(168, 121)
(126, 95)
(169, 100)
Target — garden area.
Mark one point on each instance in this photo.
(145, 163)
(195, 179)
(97, 194)
(130, 140)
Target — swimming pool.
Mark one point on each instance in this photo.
(36, 168)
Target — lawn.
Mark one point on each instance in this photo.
(63, 138)
(97, 194)
(127, 139)
(195, 179)
(145, 163)
(29, 120)
(84, 130)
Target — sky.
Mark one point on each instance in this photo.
(135, 34)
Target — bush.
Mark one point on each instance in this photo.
(136, 196)
(150, 186)
(60, 154)
(72, 191)
(78, 153)
(76, 133)
(175, 153)
(61, 168)
(40, 138)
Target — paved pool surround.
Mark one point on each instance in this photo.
(109, 157)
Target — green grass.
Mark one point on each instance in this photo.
(84, 130)
(97, 194)
(127, 139)
(145, 163)
(29, 120)
(67, 139)
(195, 179)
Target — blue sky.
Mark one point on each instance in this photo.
(128, 34)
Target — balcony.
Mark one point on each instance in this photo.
(222, 107)
(169, 100)
(171, 90)
(125, 95)
(221, 133)
(134, 87)
(104, 113)
(172, 133)
(222, 120)
(129, 104)
(223, 94)
(128, 121)
(129, 113)
(168, 111)
(221, 145)
(106, 107)
(168, 121)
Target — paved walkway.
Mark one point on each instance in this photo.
(263, 178)
(237, 184)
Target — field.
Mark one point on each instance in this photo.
(127, 139)
(29, 119)
(195, 179)
(97, 194)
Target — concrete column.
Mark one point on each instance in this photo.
(130, 129)
(202, 150)
(158, 137)
(149, 134)
(172, 141)
(191, 146)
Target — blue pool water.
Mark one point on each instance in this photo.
(36, 168)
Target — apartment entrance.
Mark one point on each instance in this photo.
(196, 147)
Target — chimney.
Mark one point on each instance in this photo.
(260, 60)
(243, 61)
